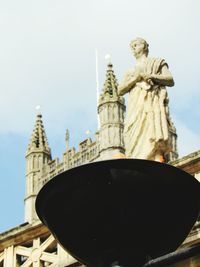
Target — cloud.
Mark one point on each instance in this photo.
(48, 56)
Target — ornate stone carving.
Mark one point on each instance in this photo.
(147, 124)
(111, 110)
(22, 250)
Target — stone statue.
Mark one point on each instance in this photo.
(147, 123)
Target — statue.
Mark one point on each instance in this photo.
(147, 123)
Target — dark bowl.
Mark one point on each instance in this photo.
(122, 210)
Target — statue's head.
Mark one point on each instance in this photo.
(139, 46)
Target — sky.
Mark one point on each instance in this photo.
(47, 58)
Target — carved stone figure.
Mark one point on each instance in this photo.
(147, 123)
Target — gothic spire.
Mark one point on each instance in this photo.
(111, 110)
(38, 139)
(38, 155)
(110, 85)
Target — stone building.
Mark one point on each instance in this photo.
(31, 243)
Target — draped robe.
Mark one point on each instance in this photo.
(146, 131)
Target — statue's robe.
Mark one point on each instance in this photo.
(147, 123)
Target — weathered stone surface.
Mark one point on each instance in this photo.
(31, 245)
(189, 163)
(147, 127)
(111, 110)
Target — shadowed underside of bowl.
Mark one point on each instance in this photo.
(123, 210)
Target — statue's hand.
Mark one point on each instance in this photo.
(147, 78)
(129, 82)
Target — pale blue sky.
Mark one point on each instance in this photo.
(47, 57)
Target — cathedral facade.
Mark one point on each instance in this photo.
(31, 244)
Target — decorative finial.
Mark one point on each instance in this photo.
(38, 109)
(67, 139)
(108, 58)
(67, 135)
(87, 132)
